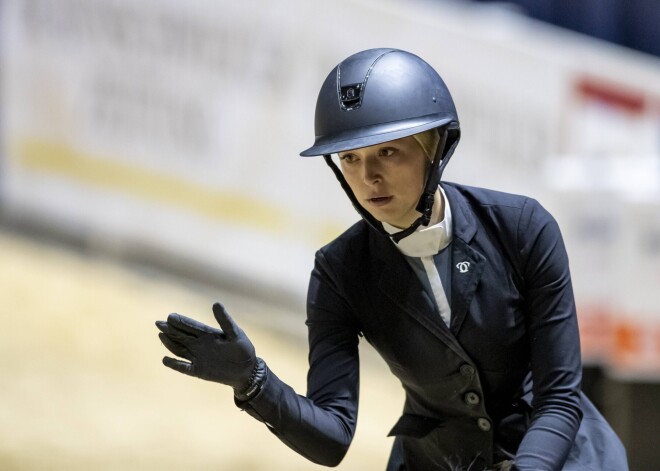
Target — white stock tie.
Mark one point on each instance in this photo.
(425, 243)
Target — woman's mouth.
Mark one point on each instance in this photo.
(379, 200)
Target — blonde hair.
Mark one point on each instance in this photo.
(428, 141)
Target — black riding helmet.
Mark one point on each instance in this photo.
(380, 95)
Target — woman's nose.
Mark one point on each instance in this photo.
(371, 172)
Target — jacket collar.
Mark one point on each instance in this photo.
(465, 226)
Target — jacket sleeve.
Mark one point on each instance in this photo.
(554, 342)
(321, 425)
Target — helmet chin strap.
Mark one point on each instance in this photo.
(425, 204)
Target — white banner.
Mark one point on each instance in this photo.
(174, 127)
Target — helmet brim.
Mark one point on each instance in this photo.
(372, 135)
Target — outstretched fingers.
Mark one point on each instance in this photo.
(178, 365)
(174, 334)
(189, 326)
(227, 324)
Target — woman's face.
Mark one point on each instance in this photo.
(387, 179)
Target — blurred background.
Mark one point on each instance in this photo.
(148, 164)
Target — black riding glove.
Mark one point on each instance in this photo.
(225, 356)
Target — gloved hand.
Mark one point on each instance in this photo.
(225, 356)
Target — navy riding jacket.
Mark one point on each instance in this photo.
(502, 382)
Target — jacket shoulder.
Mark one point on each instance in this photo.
(487, 197)
(507, 210)
(350, 243)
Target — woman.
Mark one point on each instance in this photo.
(465, 293)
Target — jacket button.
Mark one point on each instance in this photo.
(467, 370)
(483, 424)
(471, 398)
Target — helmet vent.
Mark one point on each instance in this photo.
(351, 96)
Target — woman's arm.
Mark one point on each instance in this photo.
(321, 425)
(554, 343)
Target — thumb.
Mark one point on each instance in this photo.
(227, 324)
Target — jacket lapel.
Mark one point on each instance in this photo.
(467, 267)
(467, 263)
(398, 283)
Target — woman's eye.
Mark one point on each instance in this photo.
(349, 158)
(387, 152)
